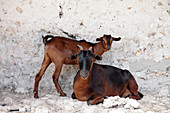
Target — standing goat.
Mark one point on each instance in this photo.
(57, 51)
(93, 82)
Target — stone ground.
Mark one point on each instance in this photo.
(50, 102)
(155, 86)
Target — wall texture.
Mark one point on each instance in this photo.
(144, 26)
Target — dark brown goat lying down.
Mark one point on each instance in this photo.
(93, 81)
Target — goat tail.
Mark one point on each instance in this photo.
(47, 38)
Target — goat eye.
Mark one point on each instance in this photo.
(104, 42)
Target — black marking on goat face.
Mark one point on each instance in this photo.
(107, 41)
(85, 62)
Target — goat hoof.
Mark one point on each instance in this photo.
(36, 95)
(89, 102)
(63, 95)
(73, 96)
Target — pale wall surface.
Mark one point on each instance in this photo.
(144, 26)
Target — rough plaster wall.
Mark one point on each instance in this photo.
(144, 26)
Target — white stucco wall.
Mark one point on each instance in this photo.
(144, 26)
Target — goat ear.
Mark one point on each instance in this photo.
(99, 39)
(116, 39)
(98, 57)
(72, 57)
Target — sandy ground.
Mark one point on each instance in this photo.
(51, 102)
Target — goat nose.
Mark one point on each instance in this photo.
(108, 47)
(84, 74)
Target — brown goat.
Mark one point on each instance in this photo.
(93, 82)
(57, 51)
